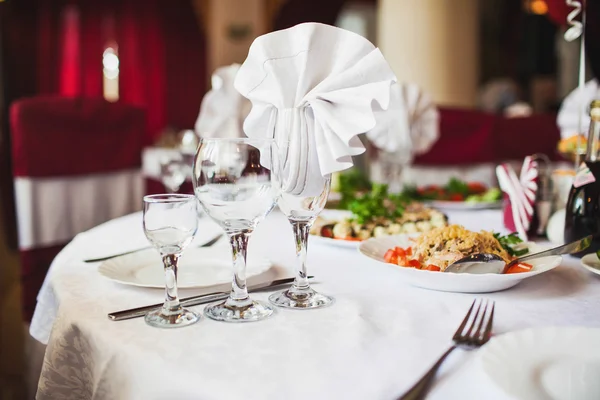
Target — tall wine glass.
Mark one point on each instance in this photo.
(236, 182)
(170, 223)
(301, 211)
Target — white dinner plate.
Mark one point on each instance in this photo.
(556, 363)
(448, 281)
(591, 263)
(198, 267)
(347, 244)
(462, 205)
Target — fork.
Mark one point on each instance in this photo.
(93, 260)
(476, 334)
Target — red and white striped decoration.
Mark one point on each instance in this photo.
(521, 192)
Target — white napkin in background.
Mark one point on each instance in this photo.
(571, 107)
(411, 125)
(315, 86)
(223, 108)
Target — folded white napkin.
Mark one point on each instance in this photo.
(409, 127)
(316, 87)
(575, 104)
(223, 108)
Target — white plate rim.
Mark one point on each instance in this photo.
(348, 244)
(499, 348)
(463, 205)
(588, 260)
(107, 268)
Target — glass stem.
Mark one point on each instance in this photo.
(239, 292)
(171, 305)
(301, 230)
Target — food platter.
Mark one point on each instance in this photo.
(340, 228)
(457, 195)
(376, 248)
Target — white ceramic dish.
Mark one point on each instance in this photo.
(462, 206)
(198, 267)
(591, 263)
(347, 244)
(451, 282)
(558, 363)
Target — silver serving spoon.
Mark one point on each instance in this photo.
(486, 263)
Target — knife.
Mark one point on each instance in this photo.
(91, 260)
(193, 301)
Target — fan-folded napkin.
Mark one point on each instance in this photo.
(314, 88)
(223, 108)
(409, 127)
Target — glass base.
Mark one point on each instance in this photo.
(253, 311)
(300, 299)
(159, 320)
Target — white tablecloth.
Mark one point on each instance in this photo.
(373, 343)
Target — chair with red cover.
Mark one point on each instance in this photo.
(466, 137)
(76, 163)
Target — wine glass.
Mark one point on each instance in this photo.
(301, 211)
(170, 223)
(236, 183)
(172, 172)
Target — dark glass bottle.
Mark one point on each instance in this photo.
(583, 206)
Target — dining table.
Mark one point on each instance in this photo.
(378, 338)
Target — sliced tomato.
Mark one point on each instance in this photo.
(352, 239)
(476, 188)
(413, 264)
(456, 197)
(391, 256)
(518, 268)
(327, 232)
(432, 267)
(401, 252)
(409, 251)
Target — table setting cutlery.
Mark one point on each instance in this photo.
(209, 243)
(196, 300)
(472, 333)
(487, 263)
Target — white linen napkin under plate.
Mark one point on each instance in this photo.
(314, 86)
(223, 108)
(410, 126)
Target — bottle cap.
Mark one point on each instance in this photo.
(595, 104)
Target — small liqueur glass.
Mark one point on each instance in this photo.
(236, 183)
(170, 223)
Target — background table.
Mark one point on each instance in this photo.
(373, 343)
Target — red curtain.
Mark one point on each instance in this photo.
(160, 49)
(142, 78)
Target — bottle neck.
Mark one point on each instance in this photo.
(593, 145)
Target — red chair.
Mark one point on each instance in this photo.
(76, 164)
(470, 137)
(515, 138)
(466, 137)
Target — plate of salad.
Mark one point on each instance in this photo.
(421, 260)
(457, 195)
(375, 213)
